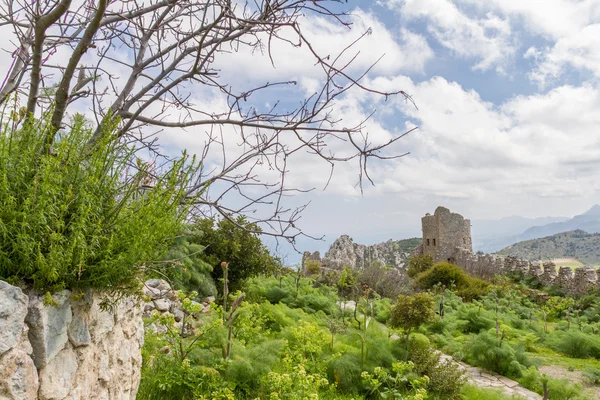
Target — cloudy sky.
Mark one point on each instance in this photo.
(508, 112)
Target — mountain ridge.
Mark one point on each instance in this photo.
(577, 244)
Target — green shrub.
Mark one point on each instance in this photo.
(305, 296)
(419, 264)
(410, 312)
(442, 273)
(249, 364)
(345, 372)
(184, 266)
(470, 392)
(165, 378)
(381, 310)
(592, 375)
(559, 389)
(450, 275)
(574, 344)
(496, 355)
(563, 389)
(445, 378)
(81, 216)
(475, 289)
(236, 242)
(472, 320)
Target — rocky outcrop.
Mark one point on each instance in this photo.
(345, 253)
(70, 350)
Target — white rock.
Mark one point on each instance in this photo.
(78, 331)
(179, 315)
(56, 378)
(18, 376)
(48, 326)
(100, 321)
(162, 304)
(13, 309)
(157, 288)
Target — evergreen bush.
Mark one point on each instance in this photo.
(77, 215)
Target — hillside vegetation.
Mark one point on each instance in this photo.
(408, 245)
(578, 244)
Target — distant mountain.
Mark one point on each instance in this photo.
(589, 222)
(492, 235)
(578, 244)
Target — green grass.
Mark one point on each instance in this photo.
(546, 356)
(471, 392)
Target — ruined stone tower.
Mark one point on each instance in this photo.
(443, 232)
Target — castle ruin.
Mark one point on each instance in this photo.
(444, 232)
(447, 238)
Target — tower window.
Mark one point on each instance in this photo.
(427, 242)
(434, 242)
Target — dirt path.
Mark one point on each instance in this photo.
(482, 378)
(554, 371)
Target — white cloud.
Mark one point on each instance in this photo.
(403, 52)
(552, 18)
(570, 27)
(468, 150)
(580, 50)
(487, 39)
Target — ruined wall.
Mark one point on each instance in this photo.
(447, 236)
(73, 350)
(485, 266)
(443, 232)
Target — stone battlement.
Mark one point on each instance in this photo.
(447, 237)
(485, 266)
(443, 232)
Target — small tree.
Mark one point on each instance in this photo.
(238, 243)
(418, 264)
(411, 311)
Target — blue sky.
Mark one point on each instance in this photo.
(508, 112)
(516, 134)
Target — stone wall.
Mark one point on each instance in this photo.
(71, 350)
(443, 232)
(485, 266)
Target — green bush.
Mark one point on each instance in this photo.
(304, 296)
(563, 389)
(81, 216)
(410, 312)
(381, 310)
(473, 320)
(236, 242)
(470, 392)
(494, 354)
(419, 264)
(184, 267)
(445, 378)
(442, 273)
(345, 372)
(450, 275)
(592, 375)
(574, 344)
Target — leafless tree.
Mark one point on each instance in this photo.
(140, 62)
